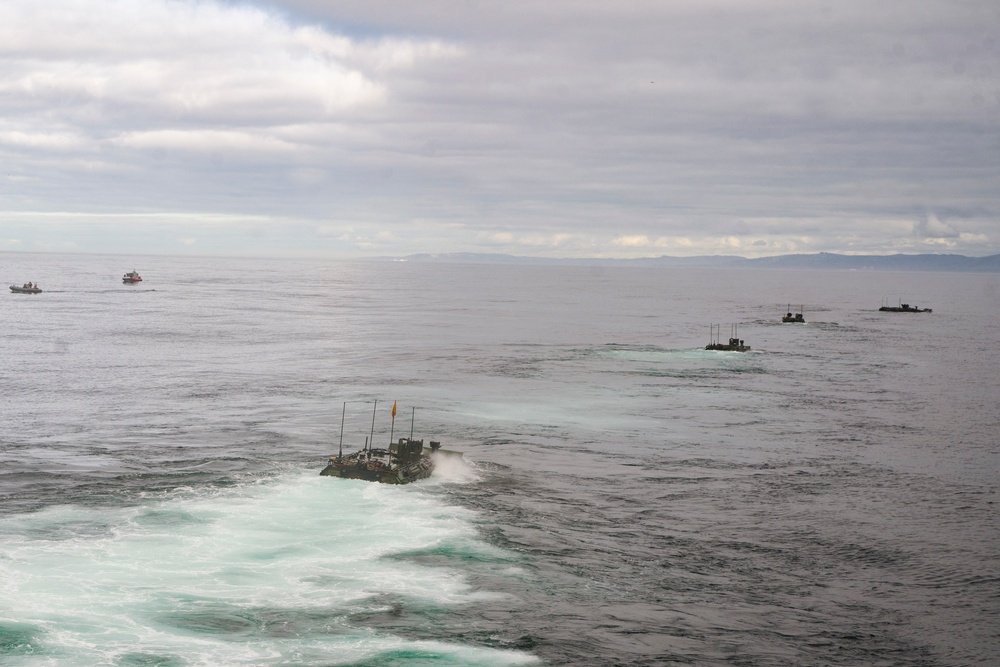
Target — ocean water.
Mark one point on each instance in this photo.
(626, 497)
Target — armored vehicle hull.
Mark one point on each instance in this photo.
(405, 461)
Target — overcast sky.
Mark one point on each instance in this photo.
(555, 128)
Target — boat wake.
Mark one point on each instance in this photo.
(453, 469)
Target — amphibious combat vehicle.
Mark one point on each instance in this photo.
(904, 308)
(404, 461)
(797, 317)
(735, 344)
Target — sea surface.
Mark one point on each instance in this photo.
(626, 497)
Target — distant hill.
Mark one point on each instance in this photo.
(822, 260)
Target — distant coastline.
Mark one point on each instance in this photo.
(822, 260)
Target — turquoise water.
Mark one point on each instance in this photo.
(274, 572)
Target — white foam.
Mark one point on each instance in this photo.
(453, 469)
(98, 583)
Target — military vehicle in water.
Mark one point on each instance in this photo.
(904, 308)
(405, 460)
(734, 344)
(797, 317)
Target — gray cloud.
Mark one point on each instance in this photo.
(561, 128)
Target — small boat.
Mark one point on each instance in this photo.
(132, 277)
(797, 317)
(734, 344)
(903, 308)
(27, 288)
(404, 461)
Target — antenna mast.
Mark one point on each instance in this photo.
(343, 414)
(372, 438)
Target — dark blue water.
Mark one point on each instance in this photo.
(627, 498)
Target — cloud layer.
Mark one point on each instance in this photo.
(567, 128)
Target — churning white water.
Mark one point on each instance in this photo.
(260, 573)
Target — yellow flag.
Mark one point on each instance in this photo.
(394, 409)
